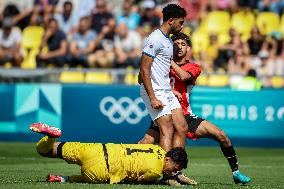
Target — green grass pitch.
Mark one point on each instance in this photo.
(21, 167)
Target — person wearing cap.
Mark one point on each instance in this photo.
(10, 43)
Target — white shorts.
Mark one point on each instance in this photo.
(166, 97)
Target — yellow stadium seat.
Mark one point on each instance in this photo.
(31, 37)
(72, 77)
(200, 41)
(282, 24)
(267, 22)
(277, 82)
(7, 65)
(98, 78)
(223, 38)
(218, 22)
(31, 40)
(218, 80)
(202, 80)
(243, 22)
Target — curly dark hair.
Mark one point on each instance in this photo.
(173, 11)
(178, 155)
(182, 36)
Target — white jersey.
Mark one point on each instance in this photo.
(160, 48)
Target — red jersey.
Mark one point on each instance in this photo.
(185, 87)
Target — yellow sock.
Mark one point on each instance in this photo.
(45, 144)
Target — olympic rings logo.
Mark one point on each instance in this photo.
(123, 109)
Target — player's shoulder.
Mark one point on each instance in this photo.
(155, 35)
(191, 64)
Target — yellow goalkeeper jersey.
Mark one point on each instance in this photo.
(124, 161)
(133, 161)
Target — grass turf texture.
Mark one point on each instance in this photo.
(21, 167)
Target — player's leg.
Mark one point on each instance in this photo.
(209, 130)
(151, 136)
(166, 128)
(47, 145)
(180, 124)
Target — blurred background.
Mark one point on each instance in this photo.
(74, 64)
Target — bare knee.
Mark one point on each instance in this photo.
(147, 140)
(223, 139)
(181, 129)
(166, 130)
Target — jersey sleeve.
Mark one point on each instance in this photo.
(150, 176)
(151, 47)
(193, 69)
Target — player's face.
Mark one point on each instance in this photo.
(170, 167)
(177, 25)
(180, 48)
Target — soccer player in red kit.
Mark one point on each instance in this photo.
(183, 74)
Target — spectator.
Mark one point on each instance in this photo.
(275, 6)
(128, 46)
(42, 11)
(210, 54)
(55, 40)
(103, 23)
(10, 43)
(271, 62)
(149, 20)
(83, 43)
(132, 19)
(229, 51)
(102, 17)
(67, 20)
(196, 8)
(104, 54)
(20, 18)
(249, 82)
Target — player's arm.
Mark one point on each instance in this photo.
(182, 74)
(150, 50)
(188, 73)
(148, 177)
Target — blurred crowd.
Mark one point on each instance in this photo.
(228, 36)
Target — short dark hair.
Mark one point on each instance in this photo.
(67, 3)
(181, 36)
(173, 11)
(251, 73)
(52, 19)
(178, 155)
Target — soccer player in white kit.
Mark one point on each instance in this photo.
(155, 89)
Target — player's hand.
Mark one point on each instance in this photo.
(156, 104)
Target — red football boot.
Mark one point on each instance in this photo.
(45, 129)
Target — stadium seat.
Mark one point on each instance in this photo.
(277, 82)
(98, 78)
(72, 77)
(243, 22)
(267, 22)
(131, 78)
(218, 22)
(200, 41)
(218, 80)
(281, 29)
(31, 40)
(202, 80)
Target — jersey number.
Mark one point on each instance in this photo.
(133, 150)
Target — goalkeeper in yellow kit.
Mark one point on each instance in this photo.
(109, 163)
